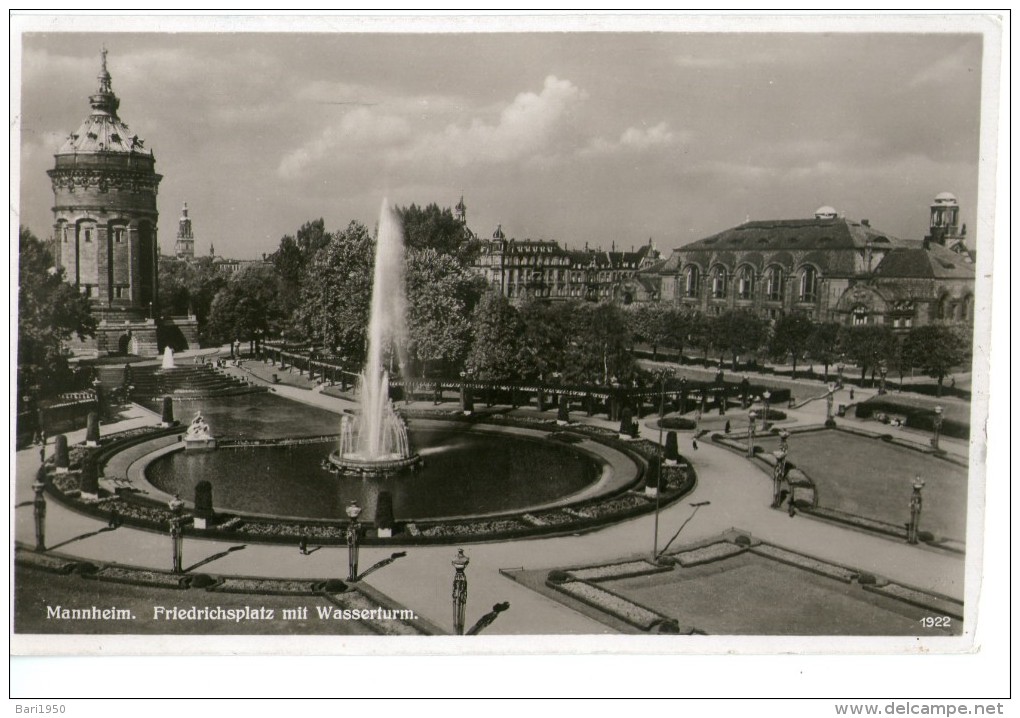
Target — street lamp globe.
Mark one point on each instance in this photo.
(175, 504)
(353, 511)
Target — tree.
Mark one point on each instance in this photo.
(248, 306)
(867, 346)
(433, 228)
(547, 328)
(736, 331)
(50, 311)
(700, 332)
(936, 350)
(498, 348)
(598, 347)
(790, 337)
(656, 325)
(337, 292)
(189, 288)
(823, 344)
(441, 295)
(293, 258)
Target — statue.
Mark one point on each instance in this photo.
(198, 435)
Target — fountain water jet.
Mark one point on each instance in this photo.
(375, 440)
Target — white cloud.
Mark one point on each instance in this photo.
(634, 139)
(532, 125)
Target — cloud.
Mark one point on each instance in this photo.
(635, 139)
(531, 125)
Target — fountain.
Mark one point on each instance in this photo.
(168, 359)
(374, 441)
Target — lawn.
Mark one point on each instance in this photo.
(871, 478)
(754, 595)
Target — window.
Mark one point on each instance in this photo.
(119, 292)
(691, 281)
(719, 283)
(808, 284)
(118, 235)
(745, 283)
(774, 284)
(859, 316)
(88, 235)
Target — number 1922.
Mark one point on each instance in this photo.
(936, 622)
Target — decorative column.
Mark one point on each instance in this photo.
(765, 396)
(353, 511)
(913, 528)
(177, 534)
(829, 421)
(779, 471)
(936, 429)
(460, 562)
(39, 514)
(751, 424)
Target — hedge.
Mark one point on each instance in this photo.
(922, 419)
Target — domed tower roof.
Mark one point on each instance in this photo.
(825, 212)
(945, 198)
(103, 131)
(498, 234)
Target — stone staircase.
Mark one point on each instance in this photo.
(197, 381)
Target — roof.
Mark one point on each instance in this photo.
(793, 234)
(103, 131)
(936, 262)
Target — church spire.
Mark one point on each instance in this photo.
(104, 101)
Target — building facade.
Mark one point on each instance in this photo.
(521, 269)
(105, 220)
(827, 267)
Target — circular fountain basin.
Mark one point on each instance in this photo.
(463, 471)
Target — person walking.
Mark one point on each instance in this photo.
(303, 545)
(851, 393)
(114, 517)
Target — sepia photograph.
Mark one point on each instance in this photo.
(437, 336)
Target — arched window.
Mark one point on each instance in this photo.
(941, 310)
(745, 282)
(808, 284)
(719, 282)
(967, 308)
(774, 284)
(859, 316)
(692, 281)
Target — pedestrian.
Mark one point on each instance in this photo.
(694, 443)
(851, 393)
(727, 427)
(791, 506)
(303, 545)
(114, 517)
(952, 382)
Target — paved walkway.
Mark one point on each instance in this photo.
(738, 491)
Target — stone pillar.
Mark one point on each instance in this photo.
(92, 430)
(89, 477)
(60, 453)
(167, 419)
(203, 504)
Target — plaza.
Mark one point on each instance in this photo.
(737, 493)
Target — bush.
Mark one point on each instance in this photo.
(557, 576)
(203, 499)
(866, 579)
(742, 540)
(775, 415)
(202, 580)
(563, 413)
(334, 585)
(672, 451)
(679, 423)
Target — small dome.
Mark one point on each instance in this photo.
(945, 198)
(825, 212)
(498, 234)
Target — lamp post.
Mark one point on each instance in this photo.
(915, 511)
(765, 396)
(658, 478)
(177, 533)
(936, 429)
(39, 513)
(751, 416)
(839, 372)
(353, 511)
(460, 562)
(882, 371)
(779, 471)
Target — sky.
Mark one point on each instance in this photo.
(580, 137)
